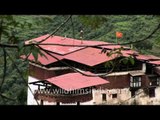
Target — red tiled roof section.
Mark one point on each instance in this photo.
(85, 55)
(152, 57)
(68, 81)
(62, 40)
(45, 60)
(127, 53)
(147, 57)
(154, 62)
(90, 56)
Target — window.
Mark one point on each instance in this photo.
(114, 95)
(103, 97)
(135, 81)
(155, 81)
(152, 92)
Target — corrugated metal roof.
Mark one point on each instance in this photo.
(62, 40)
(111, 47)
(89, 56)
(73, 81)
(147, 57)
(142, 57)
(130, 52)
(152, 57)
(154, 62)
(45, 60)
(127, 53)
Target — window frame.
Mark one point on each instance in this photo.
(135, 81)
(104, 97)
(155, 82)
(114, 95)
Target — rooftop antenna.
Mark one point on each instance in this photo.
(81, 36)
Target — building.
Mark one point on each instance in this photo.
(75, 74)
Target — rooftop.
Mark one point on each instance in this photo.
(68, 81)
(89, 56)
(85, 55)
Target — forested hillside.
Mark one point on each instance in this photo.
(102, 27)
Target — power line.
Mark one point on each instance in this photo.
(63, 23)
(40, 43)
(72, 27)
(132, 42)
(5, 97)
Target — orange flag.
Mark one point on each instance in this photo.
(119, 34)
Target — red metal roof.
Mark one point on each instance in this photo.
(62, 40)
(152, 57)
(73, 81)
(111, 46)
(147, 57)
(127, 53)
(89, 56)
(45, 60)
(130, 52)
(59, 40)
(154, 62)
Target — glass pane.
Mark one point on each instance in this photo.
(131, 79)
(134, 84)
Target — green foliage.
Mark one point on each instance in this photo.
(131, 59)
(93, 21)
(22, 96)
(12, 31)
(109, 64)
(144, 45)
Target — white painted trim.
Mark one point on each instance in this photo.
(144, 67)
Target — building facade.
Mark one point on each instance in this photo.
(83, 74)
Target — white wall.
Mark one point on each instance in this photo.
(30, 97)
(122, 95)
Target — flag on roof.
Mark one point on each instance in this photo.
(119, 34)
